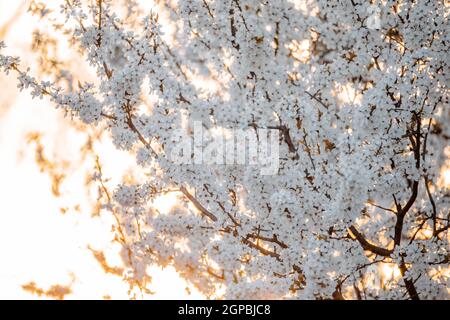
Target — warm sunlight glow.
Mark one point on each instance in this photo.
(390, 271)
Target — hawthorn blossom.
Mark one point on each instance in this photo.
(363, 121)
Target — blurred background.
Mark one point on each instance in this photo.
(55, 242)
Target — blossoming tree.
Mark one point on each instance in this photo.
(357, 92)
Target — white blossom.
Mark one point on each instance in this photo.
(363, 119)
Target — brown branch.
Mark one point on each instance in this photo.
(274, 239)
(409, 283)
(133, 128)
(208, 9)
(197, 204)
(261, 249)
(314, 97)
(417, 231)
(100, 9)
(380, 207)
(288, 140)
(415, 186)
(366, 245)
(433, 204)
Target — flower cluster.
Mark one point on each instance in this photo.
(363, 119)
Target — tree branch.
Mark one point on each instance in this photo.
(366, 245)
